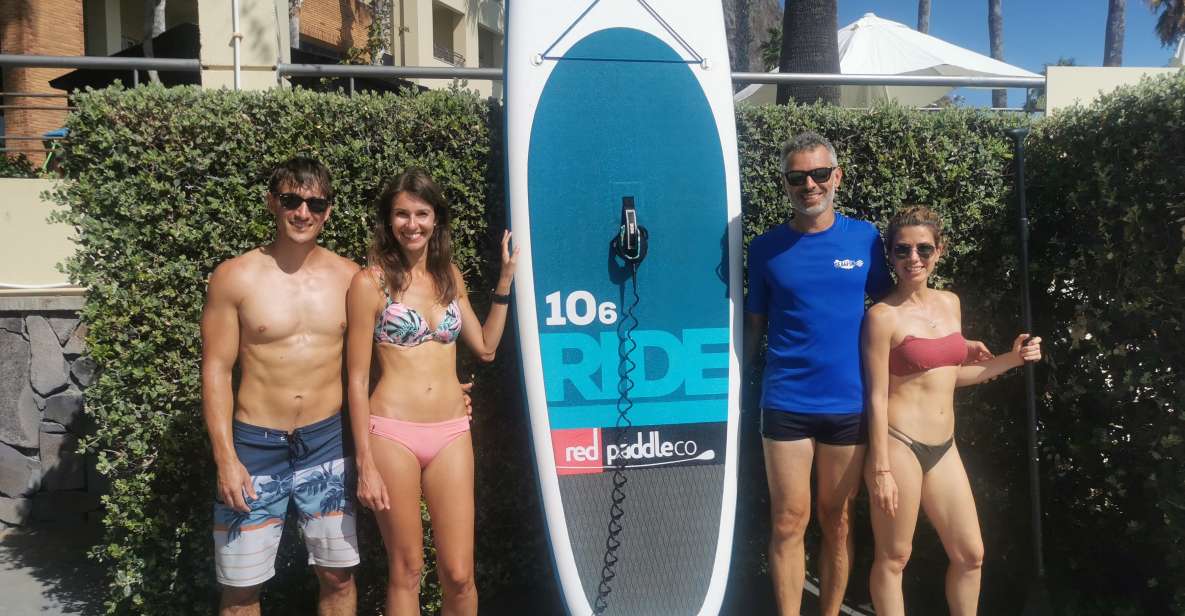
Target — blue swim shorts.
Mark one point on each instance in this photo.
(308, 467)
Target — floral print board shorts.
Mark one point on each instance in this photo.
(307, 467)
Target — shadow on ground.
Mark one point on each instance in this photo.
(44, 571)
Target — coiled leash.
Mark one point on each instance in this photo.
(630, 246)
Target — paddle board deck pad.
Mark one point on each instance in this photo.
(611, 102)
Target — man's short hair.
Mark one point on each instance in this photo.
(301, 171)
(805, 142)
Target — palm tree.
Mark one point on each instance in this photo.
(809, 45)
(996, 34)
(924, 16)
(744, 36)
(1170, 26)
(294, 23)
(154, 25)
(1113, 39)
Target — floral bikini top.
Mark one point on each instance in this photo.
(402, 325)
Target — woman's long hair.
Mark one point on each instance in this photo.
(385, 251)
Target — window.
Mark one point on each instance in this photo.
(446, 30)
(489, 48)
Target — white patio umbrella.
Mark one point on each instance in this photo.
(875, 46)
(1178, 58)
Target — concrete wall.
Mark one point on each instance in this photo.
(343, 24)
(43, 369)
(264, 25)
(418, 37)
(1069, 85)
(34, 246)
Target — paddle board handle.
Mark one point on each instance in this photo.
(631, 241)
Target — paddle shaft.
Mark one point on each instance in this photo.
(1036, 598)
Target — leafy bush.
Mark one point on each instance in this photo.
(1108, 204)
(958, 162)
(167, 183)
(18, 166)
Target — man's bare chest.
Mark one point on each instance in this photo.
(278, 310)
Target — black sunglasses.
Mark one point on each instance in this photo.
(291, 201)
(798, 178)
(902, 251)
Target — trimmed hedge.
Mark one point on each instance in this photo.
(167, 183)
(1108, 208)
(18, 166)
(170, 182)
(958, 162)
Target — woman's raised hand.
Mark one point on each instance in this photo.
(1027, 348)
(509, 258)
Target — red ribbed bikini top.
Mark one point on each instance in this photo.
(920, 354)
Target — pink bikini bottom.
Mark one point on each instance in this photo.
(423, 440)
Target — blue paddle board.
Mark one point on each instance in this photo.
(612, 103)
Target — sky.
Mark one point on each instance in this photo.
(1036, 32)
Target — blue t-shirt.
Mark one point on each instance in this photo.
(811, 287)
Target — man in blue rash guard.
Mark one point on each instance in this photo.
(808, 280)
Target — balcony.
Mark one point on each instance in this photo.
(445, 54)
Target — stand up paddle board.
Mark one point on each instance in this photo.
(619, 117)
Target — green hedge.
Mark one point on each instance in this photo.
(957, 161)
(167, 183)
(1108, 205)
(18, 166)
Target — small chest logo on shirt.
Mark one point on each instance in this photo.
(848, 264)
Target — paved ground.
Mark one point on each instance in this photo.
(45, 572)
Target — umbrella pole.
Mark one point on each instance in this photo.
(1037, 603)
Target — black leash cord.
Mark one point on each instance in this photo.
(625, 346)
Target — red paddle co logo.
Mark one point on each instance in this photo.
(584, 451)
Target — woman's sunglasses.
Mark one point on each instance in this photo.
(292, 201)
(902, 251)
(798, 178)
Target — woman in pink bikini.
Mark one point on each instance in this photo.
(411, 430)
(914, 355)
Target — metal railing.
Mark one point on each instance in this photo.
(405, 72)
(823, 79)
(135, 65)
(447, 54)
(497, 74)
(458, 71)
(38, 141)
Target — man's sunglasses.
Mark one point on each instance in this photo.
(798, 178)
(292, 201)
(902, 251)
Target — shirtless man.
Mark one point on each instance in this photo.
(280, 312)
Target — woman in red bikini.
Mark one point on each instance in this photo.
(411, 430)
(914, 355)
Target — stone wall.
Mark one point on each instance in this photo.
(43, 374)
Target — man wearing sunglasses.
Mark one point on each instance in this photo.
(808, 280)
(279, 313)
